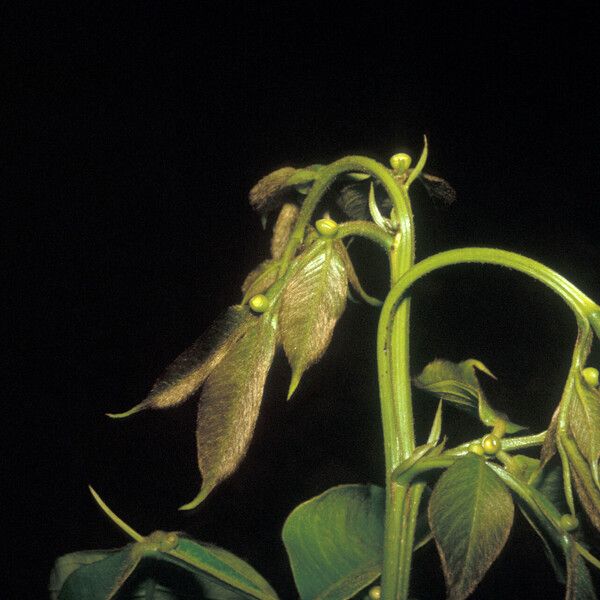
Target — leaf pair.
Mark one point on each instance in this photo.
(457, 383)
(163, 565)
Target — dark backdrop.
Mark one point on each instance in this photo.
(136, 133)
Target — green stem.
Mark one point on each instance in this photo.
(509, 444)
(326, 177)
(367, 230)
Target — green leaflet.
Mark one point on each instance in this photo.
(156, 569)
(311, 303)
(584, 423)
(458, 383)
(579, 581)
(335, 541)
(186, 374)
(470, 515)
(230, 403)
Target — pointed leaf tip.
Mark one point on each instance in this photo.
(202, 494)
(294, 381)
(136, 409)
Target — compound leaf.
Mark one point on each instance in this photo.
(312, 301)
(230, 403)
(470, 514)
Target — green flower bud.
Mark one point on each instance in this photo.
(400, 163)
(491, 444)
(590, 375)
(476, 449)
(569, 522)
(326, 227)
(259, 303)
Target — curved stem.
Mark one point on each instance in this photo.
(367, 230)
(326, 177)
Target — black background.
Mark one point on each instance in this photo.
(135, 134)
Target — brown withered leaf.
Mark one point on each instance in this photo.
(186, 374)
(230, 403)
(261, 278)
(311, 304)
(283, 228)
(268, 193)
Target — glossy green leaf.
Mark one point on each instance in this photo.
(335, 541)
(579, 581)
(584, 423)
(186, 374)
(311, 303)
(470, 514)
(230, 403)
(283, 228)
(457, 383)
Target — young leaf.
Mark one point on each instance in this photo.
(579, 581)
(283, 229)
(311, 303)
(458, 383)
(186, 374)
(584, 422)
(549, 447)
(335, 541)
(230, 403)
(470, 514)
(270, 191)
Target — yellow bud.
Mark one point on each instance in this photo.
(400, 162)
(375, 592)
(326, 227)
(569, 522)
(259, 303)
(590, 375)
(491, 444)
